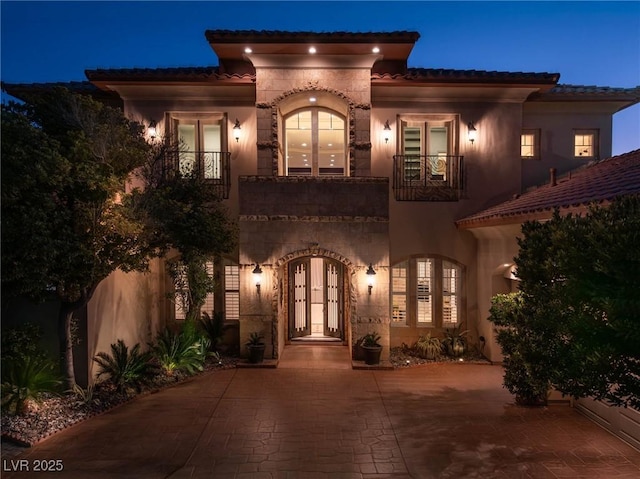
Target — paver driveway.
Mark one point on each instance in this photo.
(315, 419)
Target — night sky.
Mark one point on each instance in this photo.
(588, 43)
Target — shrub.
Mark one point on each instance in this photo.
(454, 341)
(21, 342)
(125, 368)
(213, 328)
(185, 350)
(427, 347)
(25, 378)
(371, 340)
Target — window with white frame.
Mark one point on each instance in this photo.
(530, 144)
(426, 292)
(585, 143)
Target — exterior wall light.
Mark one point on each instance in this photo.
(371, 277)
(151, 131)
(386, 132)
(257, 277)
(472, 133)
(236, 130)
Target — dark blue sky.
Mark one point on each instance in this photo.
(588, 43)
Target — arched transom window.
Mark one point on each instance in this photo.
(315, 141)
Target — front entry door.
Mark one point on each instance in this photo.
(315, 291)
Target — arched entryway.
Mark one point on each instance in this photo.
(316, 306)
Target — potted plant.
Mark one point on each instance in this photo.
(454, 341)
(371, 347)
(428, 347)
(256, 346)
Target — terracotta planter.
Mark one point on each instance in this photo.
(372, 354)
(256, 353)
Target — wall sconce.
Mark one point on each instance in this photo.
(371, 277)
(257, 276)
(472, 133)
(386, 132)
(236, 130)
(151, 131)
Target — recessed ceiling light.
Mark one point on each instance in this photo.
(304, 155)
(330, 144)
(333, 156)
(312, 50)
(247, 50)
(312, 99)
(375, 50)
(304, 144)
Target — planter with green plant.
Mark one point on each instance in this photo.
(428, 348)
(371, 347)
(256, 348)
(454, 342)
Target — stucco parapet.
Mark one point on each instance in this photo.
(315, 219)
(313, 179)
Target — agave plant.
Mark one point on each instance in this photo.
(454, 340)
(428, 347)
(125, 368)
(26, 378)
(183, 351)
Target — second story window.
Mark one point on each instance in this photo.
(530, 144)
(201, 145)
(315, 143)
(585, 143)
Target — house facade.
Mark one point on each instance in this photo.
(348, 173)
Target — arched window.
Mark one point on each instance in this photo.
(315, 143)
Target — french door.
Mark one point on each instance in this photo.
(316, 298)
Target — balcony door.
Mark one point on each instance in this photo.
(316, 299)
(315, 143)
(426, 146)
(202, 143)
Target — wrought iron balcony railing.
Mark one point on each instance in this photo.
(212, 166)
(427, 177)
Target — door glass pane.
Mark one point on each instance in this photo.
(187, 138)
(399, 294)
(211, 155)
(299, 144)
(412, 149)
(331, 144)
(437, 142)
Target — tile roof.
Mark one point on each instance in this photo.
(22, 90)
(207, 73)
(279, 36)
(482, 76)
(580, 92)
(596, 182)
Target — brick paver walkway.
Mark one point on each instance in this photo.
(306, 421)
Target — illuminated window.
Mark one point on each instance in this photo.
(232, 292)
(585, 143)
(530, 144)
(427, 292)
(315, 143)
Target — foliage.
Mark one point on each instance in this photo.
(371, 340)
(67, 223)
(22, 341)
(84, 396)
(125, 368)
(255, 339)
(213, 327)
(185, 350)
(428, 347)
(454, 341)
(25, 378)
(576, 323)
(185, 214)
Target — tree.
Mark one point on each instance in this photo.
(575, 324)
(67, 222)
(186, 214)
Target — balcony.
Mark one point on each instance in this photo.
(427, 177)
(213, 166)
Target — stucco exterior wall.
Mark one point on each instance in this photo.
(127, 306)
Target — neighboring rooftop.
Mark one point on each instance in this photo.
(597, 182)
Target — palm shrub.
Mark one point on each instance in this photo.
(212, 327)
(126, 368)
(185, 350)
(454, 342)
(26, 378)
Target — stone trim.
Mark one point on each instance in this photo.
(312, 179)
(316, 219)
